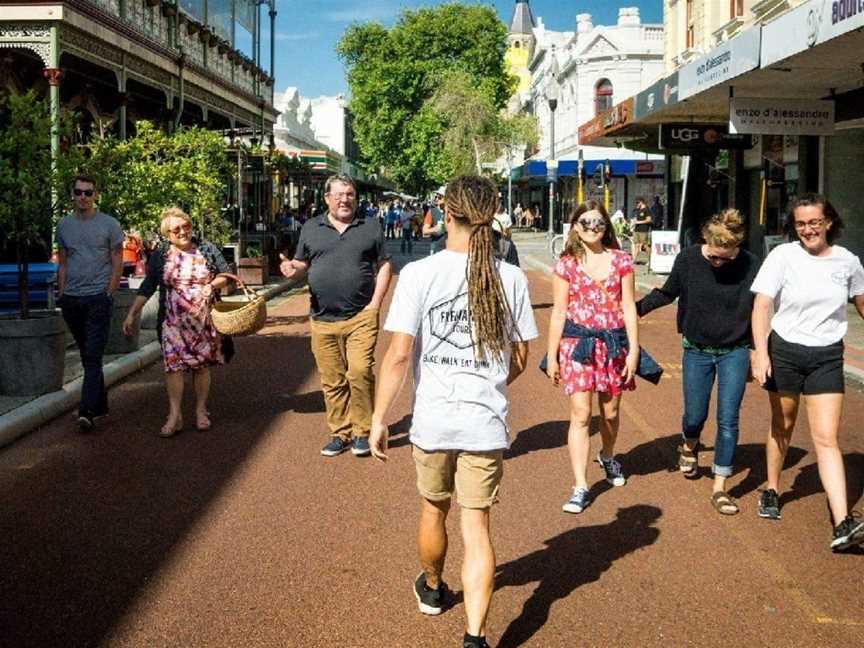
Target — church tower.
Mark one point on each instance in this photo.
(521, 42)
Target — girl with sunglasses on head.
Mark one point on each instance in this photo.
(593, 342)
(799, 350)
(711, 281)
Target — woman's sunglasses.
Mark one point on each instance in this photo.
(592, 224)
(180, 228)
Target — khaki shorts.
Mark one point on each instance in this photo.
(476, 476)
(641, 238)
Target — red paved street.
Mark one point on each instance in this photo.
(246, 536)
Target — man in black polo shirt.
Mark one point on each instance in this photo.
(349, 272)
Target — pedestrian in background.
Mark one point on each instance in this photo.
(406, 221)
(593, 344)
(433, 222)
(90, 262)
(711, 282)
(343, 254)
(641, 225)
(463, 358)
(391, 219)
(799, 351)
(184, 270)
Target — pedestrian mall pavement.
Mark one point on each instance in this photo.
(246, 536)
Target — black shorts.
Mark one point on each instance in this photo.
(800, 369)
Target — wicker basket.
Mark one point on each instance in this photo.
(241, 317)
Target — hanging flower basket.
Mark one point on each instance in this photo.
(153, 3)
(223, 46)
(192, 27)
(204, 34)
(214, 39)
(169, 9)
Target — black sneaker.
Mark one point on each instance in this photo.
(360, 447)
(769, 505)
(430, 601)
(470, 641)
(849, 532)
(85, 423)
(337, 446)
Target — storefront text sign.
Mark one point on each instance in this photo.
(724, 62)
(664, 248)
(808, 25)
(657, 96)
(695, 137)
(781, 116)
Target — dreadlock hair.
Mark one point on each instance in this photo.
(472, 201)
(574, 246)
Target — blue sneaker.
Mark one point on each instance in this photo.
(578, 502)
(612, 468)
(360, 446)
(337, 446)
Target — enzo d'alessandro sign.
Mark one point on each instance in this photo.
(727, 61)
(781, 116)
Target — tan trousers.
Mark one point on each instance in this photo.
(345, 355)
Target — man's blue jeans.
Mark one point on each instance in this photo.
(731, 370)
(407, 239)
(89, 319)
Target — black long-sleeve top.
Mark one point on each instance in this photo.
(714, 304)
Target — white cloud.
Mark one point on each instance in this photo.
(286, 37)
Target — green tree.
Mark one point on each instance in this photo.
(33, 187)
(142, 175)
(394, 73)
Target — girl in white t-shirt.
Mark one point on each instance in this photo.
(800, 350)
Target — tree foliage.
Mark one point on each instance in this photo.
(142, 175)
(33, 190)
(394, 74)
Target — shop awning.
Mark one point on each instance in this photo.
(536, 169)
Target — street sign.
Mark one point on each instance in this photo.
(695, 137)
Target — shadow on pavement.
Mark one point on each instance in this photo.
(570, 560)
(89, 521)
(752, 456)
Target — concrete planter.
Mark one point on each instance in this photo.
(117, 342)
(32, 354)
(253, 271)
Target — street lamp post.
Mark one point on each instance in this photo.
(551, 164)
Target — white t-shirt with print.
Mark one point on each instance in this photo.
(460, 403)
(810, 293)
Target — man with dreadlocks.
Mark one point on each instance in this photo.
(467, 317)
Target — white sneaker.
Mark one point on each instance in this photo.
(578, 502)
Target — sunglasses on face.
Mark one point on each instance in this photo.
(713, 258)
(592, 224)
(84, 192)
(186, 227)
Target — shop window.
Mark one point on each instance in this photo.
(736, 9)
(602, 96)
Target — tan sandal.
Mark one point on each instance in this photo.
(688, 461)
(723, 503)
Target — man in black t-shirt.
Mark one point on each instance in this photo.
(342, 251)
(641, 222)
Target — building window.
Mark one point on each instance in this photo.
(602, 96)
(736, 9)
(691, 31)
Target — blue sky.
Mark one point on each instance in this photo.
(308, 30)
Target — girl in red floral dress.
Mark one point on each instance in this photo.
(593, 339)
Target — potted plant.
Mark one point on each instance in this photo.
(224, 45)
(32, 342)
(253, 267)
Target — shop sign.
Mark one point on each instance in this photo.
(657, 96)
(650, 167)
(619, 115)
(724, 62)
(781, 116)
(591, 130)
(694, 137)
(808, 25)
(664, 248)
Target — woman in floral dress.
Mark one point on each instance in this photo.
(593, 340)
(184, 271)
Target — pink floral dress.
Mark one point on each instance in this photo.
(590, 306)
(189, 341)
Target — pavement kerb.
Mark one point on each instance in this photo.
(41, 410)
(852, 372)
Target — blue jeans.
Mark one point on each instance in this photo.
(89, 319)
(407, 239)
(731, 370)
